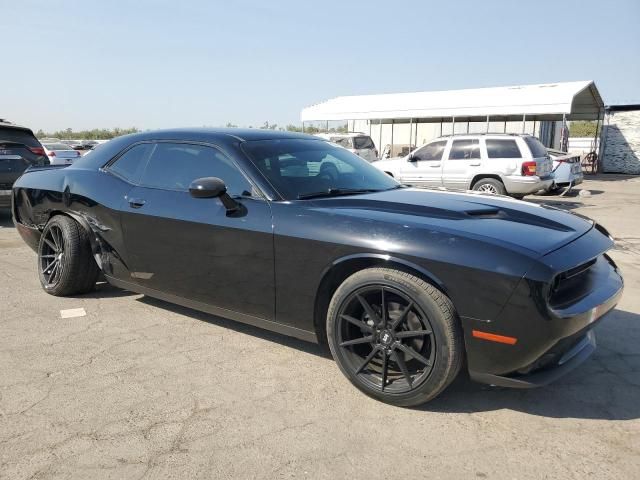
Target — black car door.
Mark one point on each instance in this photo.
(192, 247)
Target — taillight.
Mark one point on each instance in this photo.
(37, 150)
(52, 154)
(529, 168)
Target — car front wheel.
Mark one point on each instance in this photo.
(394, 336)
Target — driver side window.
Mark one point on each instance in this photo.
(173, 166)
(432, 151)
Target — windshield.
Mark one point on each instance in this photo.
(301, 168)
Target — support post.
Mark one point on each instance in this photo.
(392, 125)
(524, 118)
(487, 130)
(410, 132)
(453, 125)
(303, 126)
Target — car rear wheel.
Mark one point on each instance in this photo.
(490, 185)
(65, 263)
(394, 336)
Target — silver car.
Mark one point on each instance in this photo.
(567, 169)
(502, 164)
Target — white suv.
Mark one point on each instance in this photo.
(502, 164)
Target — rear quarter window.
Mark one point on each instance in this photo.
(361, 143)
(536, 147)
(502, 148)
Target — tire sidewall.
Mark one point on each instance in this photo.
(499, 186)
(438, 378)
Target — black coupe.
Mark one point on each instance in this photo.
(298, 235)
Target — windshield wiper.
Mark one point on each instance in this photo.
(335, 192)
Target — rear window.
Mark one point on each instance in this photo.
(502, 149)
(536, 147)
(56, 146)
(363, 143)
(18, 135)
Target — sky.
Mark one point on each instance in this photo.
(158, 63)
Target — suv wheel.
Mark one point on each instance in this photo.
(394, 336)
(490, 185)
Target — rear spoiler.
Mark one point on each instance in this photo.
(34, 168)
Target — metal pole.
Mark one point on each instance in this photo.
(327, 126)
(453, 125)
(487, 131)
(524, 117)
(410, 132)
(303, 126)
(380, 136)
(392, 122)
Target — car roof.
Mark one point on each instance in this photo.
(217, 134)
(486, 134)
(6, 124)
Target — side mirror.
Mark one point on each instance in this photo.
(411, 158)
(213, 187)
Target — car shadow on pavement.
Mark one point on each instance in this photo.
(307, 347)
(605, 387)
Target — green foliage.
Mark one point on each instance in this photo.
(95, 134)
(582, 129)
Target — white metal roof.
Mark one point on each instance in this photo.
(579, 100)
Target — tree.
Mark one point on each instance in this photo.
(582, 129)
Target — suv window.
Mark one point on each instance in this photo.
(464, 150)
(342, 141)
(536, 147)
(130, 164)
(361, 143)
(18, 135)
(507, 148)
(432, 151)
(173, 166)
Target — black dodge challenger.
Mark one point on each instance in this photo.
(297, 235)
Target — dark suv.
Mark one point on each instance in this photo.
(19, 149)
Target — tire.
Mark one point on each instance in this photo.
(420, 342)
(490, 185)
(66, 244)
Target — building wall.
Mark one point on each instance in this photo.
(622, 143)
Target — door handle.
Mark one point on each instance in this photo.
(434, 165)
(136, 202)
(475, 164)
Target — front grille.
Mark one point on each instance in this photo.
(571, 285)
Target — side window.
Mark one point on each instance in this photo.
(432, 151)
(464, 150)
(342, 141)
(502, 149)
(130, 164)
(173, 166)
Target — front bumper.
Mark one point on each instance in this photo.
(552, 336)
(521, 185)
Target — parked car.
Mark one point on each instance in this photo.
(89, 144)
(74, 144)
(502, 164)
(60, 153)
(298, 235)
(567, 169)
(357, 143)
(19, 150)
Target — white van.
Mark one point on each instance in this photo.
(358, 143)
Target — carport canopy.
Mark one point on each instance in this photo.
(552, 101)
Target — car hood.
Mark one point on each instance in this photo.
(523, 226)
(388, 163)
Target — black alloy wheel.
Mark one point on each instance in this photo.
(387, 341)
(395, 336)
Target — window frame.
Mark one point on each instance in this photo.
(453, 140)
(107, 167)
(444, 150)
(515, 142)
